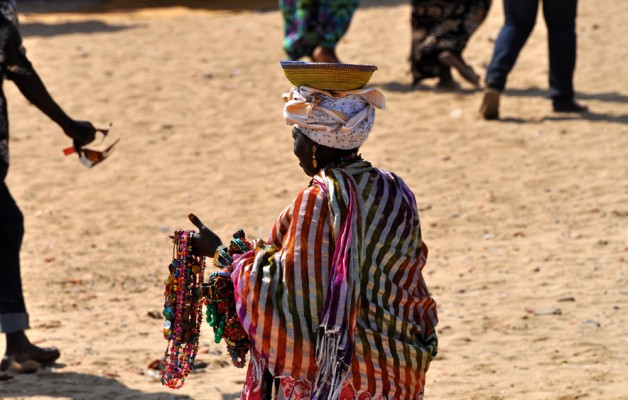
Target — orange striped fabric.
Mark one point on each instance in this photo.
(390, 318)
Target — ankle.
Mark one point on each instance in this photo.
(17, 342)
(325, 54)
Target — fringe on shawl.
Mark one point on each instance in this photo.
(332, 372)
(259, 364)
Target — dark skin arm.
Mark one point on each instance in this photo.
(34, 90)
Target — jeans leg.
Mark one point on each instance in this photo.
(560, 18)
(520, 17)
(13, 316)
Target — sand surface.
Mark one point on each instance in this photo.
(526, 218)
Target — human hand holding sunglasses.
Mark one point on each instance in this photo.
(92, 157)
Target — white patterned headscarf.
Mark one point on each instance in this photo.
(336, 119)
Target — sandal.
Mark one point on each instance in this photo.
(13, 366)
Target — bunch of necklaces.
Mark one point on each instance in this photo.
(220, 298)
(184, 296)
(183, 311)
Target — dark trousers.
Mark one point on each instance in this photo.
(13, 315)
(520, 16)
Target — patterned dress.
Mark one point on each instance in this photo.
(13, 62)
(335, 303)
(310, 23)
(439, 25)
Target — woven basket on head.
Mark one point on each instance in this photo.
(328, 76)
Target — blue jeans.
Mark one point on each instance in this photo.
(13, 316)
(520, 16)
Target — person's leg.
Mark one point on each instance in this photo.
(455, 60)
(13, 316)
(425, 20)
(300, 36)
(334, 17)
(20, 353)
(520, 17)
(445, 80)
(560, 18)
(456, 30)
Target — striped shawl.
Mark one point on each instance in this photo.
(336, 297)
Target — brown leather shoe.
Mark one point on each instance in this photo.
(489, 109)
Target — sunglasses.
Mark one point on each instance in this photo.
(91, 157)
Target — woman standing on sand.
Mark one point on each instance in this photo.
(334, 303)
(440, 32)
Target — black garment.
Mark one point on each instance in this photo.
(13, 62)
(442, 25)
(11, 233)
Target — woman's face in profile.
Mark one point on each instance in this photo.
(303, 151)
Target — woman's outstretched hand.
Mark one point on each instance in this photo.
(205, 242)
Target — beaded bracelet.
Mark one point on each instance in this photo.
(183, 310)
(238, 245)
(222, 258)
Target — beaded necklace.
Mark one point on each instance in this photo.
(348, 158)
(220, 299)
(185, 294)
(342, 160)
(182, 310)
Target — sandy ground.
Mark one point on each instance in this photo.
(526, 218)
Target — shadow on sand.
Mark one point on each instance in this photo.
(408, 87)
(74, 385)
(69, 28)
(586, 116)
(612, 97)
(98, 6)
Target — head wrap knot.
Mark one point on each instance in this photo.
(337, 119)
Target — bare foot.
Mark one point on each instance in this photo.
(323, 54)
(450, 59)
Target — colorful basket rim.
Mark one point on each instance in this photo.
(328, 76)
